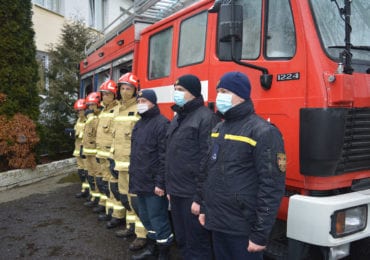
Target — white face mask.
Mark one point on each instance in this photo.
(224, 102)
(142, 108)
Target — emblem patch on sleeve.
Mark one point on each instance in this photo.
(281, 161)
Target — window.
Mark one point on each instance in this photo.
(52, 5)
(331, 28)
(192, 40)
(160, 54)
(251, 28)
(280, 35)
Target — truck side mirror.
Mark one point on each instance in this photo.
(230, 28)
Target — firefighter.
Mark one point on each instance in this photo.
(147, 175)
(89, 145)
(80, 107)
(186, 152)
(124, 122)
(246, 174)
(104, 138)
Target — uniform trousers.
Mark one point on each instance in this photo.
(232, 247)
(154, 216)
(193, 240)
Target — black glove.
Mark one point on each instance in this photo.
(81, 152)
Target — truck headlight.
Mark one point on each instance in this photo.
(348, 221)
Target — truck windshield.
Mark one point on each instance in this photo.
(331, 27)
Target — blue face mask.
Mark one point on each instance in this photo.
(223, 102)
(179, 98)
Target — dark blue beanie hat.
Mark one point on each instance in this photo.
(149, 95)
(237, 83)
(191, 83)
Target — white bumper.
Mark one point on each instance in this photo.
(309, 218)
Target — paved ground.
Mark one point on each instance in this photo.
(45, 221)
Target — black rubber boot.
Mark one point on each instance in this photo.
(116, 222)
(104, 217)
(84, 194)
(99, 209)
(92, 203)
(149, 251)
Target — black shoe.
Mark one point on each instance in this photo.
(104, 217)
(115, 222)
(150, 250)
(91, 203)
(137, 244)
(99, 209)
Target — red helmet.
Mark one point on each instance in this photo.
(130, 79)
(80, 104)
(109, 86)
(93, 98)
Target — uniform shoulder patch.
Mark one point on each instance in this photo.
(281, 161)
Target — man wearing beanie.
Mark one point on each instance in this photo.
(147, 175)
(187, 144)
(246, 174)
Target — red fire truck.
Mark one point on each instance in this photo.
(309, 66)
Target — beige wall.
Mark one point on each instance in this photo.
(47, 26)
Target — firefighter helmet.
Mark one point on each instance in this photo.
(130, 79)
(80, 104)
(93, 98)
(109, 86)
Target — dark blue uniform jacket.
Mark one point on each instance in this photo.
(246, 175)
(187, 144)
(147, 153)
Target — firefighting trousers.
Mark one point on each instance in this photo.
(102, 180)
(81, 170)
(130, 201)
(92, 169)
(113, 202)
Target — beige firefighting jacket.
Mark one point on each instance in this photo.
(89, 138)
(104, 134)
(79, 130)
(123, 123)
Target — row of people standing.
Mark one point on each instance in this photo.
(228, 176)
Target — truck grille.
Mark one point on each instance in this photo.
(356, 147)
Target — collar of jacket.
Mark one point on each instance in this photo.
(150, 113)
(128, 103)
(111, 105)
(189, 106)
(240, 111)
